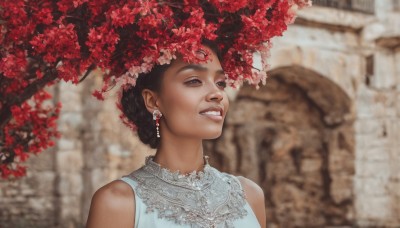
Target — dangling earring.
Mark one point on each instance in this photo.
(156, 116)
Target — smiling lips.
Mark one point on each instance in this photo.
(214, 113)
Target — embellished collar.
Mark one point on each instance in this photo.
(205, 199)
(195, 180)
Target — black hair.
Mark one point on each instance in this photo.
(133, 106)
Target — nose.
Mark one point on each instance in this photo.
(215, 94)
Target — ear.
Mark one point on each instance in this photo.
(150, 99)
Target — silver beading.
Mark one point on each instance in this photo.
(203, 199)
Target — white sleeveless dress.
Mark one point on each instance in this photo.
(216, 200)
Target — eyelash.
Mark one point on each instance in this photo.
(193, 81)
(223, 84)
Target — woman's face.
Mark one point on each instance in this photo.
(193, 100)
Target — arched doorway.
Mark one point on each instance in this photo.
(295, 138)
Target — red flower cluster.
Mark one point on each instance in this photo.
(30, 131)
(45, 41)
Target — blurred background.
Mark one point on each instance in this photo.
(322, 138)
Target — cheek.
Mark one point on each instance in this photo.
(181, 108)
(225, 102)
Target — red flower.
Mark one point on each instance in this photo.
(55, 43)
(229, 5)
(126, 15)
(13, 65)
(101, 43)
(44, 16)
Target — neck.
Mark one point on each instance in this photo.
(185, 155)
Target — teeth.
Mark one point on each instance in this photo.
(214, 113)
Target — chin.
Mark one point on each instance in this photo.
(213, 135)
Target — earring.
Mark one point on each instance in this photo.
(156, 116)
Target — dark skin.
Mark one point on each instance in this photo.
(187, 90)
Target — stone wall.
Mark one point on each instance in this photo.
(32, 201)
(297, 142)
(321, 137)
(94, 149)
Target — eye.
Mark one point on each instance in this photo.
(222, 84)
(193, 82)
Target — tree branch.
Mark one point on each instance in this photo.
(29, 91)
(90, 69)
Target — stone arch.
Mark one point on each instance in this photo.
(295, 138)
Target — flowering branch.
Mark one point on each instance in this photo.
(28, 92)
(43, 42)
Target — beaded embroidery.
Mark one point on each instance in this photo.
(205, 199)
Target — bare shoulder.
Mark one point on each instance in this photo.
(252, 190)
(113, 205)
(255, 197)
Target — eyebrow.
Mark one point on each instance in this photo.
(198, 68)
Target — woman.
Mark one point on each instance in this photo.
(177, 187)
